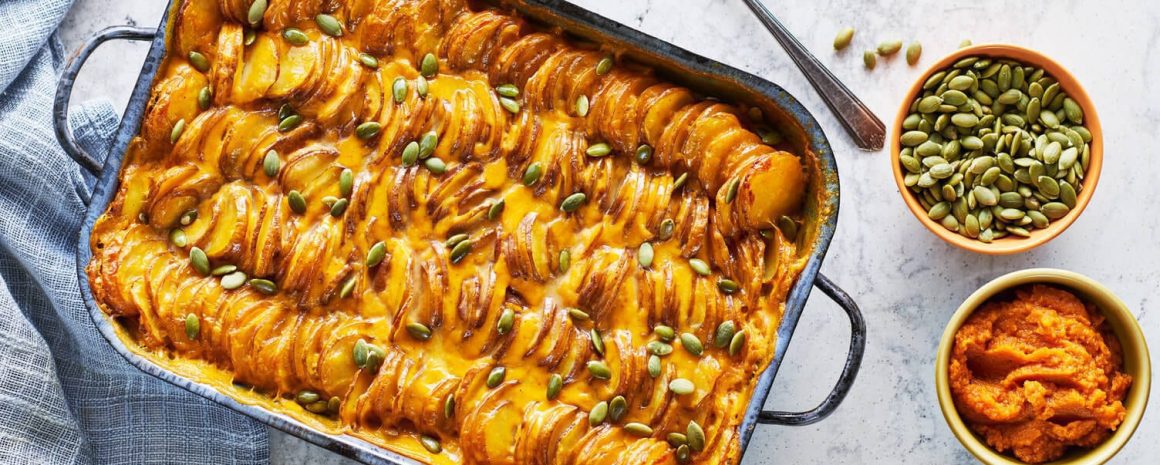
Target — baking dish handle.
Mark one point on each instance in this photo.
(849, 372)
(65, 86)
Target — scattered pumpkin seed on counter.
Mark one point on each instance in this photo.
(994, 148)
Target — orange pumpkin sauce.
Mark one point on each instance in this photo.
(1039, 373)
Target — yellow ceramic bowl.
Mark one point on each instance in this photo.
(1136, 362)
(1068, 83)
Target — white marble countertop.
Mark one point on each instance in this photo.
(906, 280)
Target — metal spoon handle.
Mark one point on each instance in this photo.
(866, 129)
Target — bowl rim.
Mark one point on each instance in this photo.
(1127, 331)
(1068, 83)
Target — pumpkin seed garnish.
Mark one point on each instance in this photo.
(271, 163)
(532, 173)
(178, 129)
(307, 397)
(506, 319)
(788, 227)
(295, 37)
(582, 106)
(510, 105)
(199, 260)
(599, 370)
(700, 266)
(188, 217)
(731, 189)
(577, 314)
(456, 239)
(289, 123)
(348, 287)
(264, 286)
(692, 344)
(421, 86)
(696, 436)
(329, 201)
(431, 444)
(345, 182)
(419, 331)
(644, 255)
(676, 439)
(684, 177)
(654, 366)
(644, 154)
(599, 149)
(725, 332)
(508, 90)
(737, 343)
(638, 429)
(495, 209)
(329, 24)
(177, 237)
(565, 261)
(339, 207)
(429, 66)
(913, 52)
(449, 406)
(319, 407)
(297, 202)
(844, 37)
(399, 89)
(368, 60)
(368, 130)
(683, 454)
(889, 47)
(435, 165)
(198, 61)
(604, 66)
(248, 37)
(597, 341)
(659, 348)
(192, 326)
(666, 229)
(257, 10)
(376, 254)
(682, 386)
(665, 333)
(204, 98)
(411, 153)
(728, 286)
(555, 384)
(223, 270)
(233, 280)
(617, 407)
(495, 377)
(460, 250)
(573, 202)
(598, 413)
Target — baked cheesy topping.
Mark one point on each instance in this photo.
(437, 227)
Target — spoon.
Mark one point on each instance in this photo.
(867, 130)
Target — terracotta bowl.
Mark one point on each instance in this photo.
(1068, 83)
(1137, 363)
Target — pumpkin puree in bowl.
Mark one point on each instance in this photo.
(1037, 373)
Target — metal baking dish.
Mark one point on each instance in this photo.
(676, 64)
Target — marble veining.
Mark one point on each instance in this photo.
(906, 280)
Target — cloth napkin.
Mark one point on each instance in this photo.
(65, 396)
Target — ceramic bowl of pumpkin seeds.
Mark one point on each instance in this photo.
(997, 149)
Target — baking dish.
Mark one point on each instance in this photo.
(673, 63)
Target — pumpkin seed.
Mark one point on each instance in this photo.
(223, 270)
(506, 319)
(264, 286)
(665, 231)
(582, 106)
(577, 314)
(399, 89)
(329, 24)
(683, 454)
(682, 386)
(449, 406)
(271, 163)
(598, 413)
(233, 280)
(427, 144)
(347, 287)
(410, 153)
(421, 86)
(257, 10)
(638, 429)
(289, 123)
(665, 333)
(788, 227)
(510, 105)
(564, 261)
(844, 37)
(555, 384)
(192, 326)
(532, 174)
(676, 439)
(617, 407)
(346, 182)
(435, 165)
(339, 207)
(204, 98)
(368, 60)
(728, 286)
(644, 255)
(178, 129)
(508, 90)
(360, 353)
(731, 190)
(644, 154)
(295, 37)
(737, 343)
(496, 376)
(696, 436)
(368, 130)
(199, 260)
(598, 150)
(319, 407)
(429, 67)
(604, 65)
(659, 348)
(692, 344)
(654, 366)
(459, 251)
(1054, 210)
(307, 397)
(870, 59)
(913, 52)
(178, 238)
(431, 444)
(198, 61)
(495, 209)
(889, 47)
(725, 332)
(699, 266)
(597, 341)
(573, 202)
(684, 177)
(599, 370)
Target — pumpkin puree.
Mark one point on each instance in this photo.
(1038, 373)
